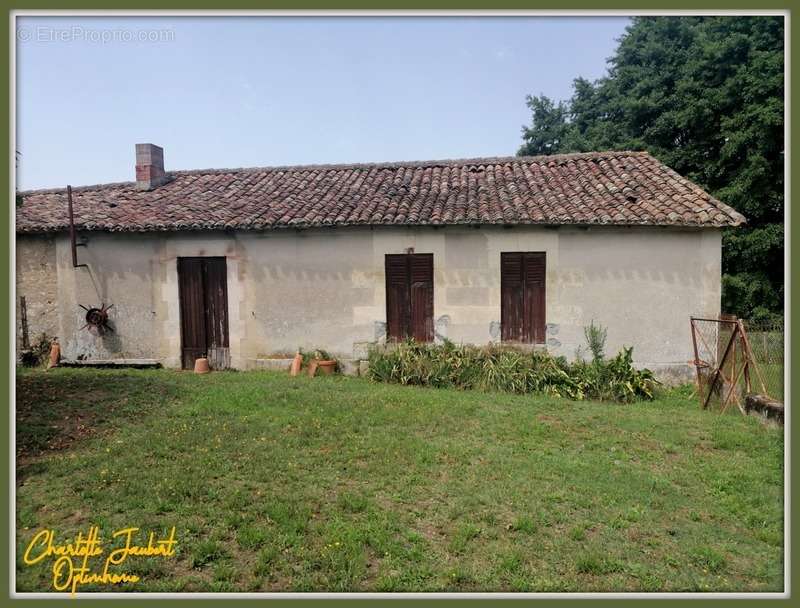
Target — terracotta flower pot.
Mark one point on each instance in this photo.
(297, 363)
(201, 366)
(327, 367)
(55, 354)
(312, 367)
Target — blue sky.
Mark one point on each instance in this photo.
(244, 91)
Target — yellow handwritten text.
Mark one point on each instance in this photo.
(71, 567)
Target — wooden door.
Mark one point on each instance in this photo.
(522, 303)
(203, 294)
(409, 296)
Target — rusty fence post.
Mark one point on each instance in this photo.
(697, 360)
(23, 317)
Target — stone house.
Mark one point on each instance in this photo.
(246, 264)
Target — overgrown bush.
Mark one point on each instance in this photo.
(611, 379)
(38, 353)
(470, 367)
(614, 379)
(510, 369)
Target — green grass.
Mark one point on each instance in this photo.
(340, 484)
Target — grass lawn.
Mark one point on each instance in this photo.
(339, 484)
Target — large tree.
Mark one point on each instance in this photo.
(705, 95)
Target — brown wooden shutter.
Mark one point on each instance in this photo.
(409, 296)
(522, 297)
(534, 329)
(511, 297)
(421, 271)
(398, 303)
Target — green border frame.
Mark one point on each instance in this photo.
(388, 5)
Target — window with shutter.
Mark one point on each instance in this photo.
(409, 296)
(522, 297)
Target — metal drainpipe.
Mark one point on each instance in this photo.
(72, 240)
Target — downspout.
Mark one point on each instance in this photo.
(72, 239)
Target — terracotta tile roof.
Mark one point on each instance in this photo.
(625, 188)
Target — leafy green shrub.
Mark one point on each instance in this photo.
(509, 369)
(471, 367)
(614, 379)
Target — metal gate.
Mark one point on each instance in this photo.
(724, 362)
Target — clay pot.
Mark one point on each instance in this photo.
(297, 363)
(312, 367)
(55, 354)
(327, 367)
(201, 366)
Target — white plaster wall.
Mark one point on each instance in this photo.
(118, 270)
(325, 288)
(643, 285)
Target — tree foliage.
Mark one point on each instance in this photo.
(705, 95)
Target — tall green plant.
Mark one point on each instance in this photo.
(596, 340)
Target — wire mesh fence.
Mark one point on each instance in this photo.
(766, 344)
(734, 358)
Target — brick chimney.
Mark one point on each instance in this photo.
(150, 167)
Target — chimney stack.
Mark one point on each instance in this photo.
(150, 167)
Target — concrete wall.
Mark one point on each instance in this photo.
(36, 280)
(325, 288)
